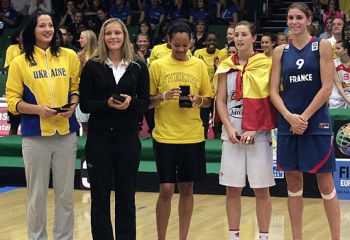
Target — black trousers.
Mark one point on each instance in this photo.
(113, 155)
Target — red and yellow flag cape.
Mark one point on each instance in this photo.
(254, 81)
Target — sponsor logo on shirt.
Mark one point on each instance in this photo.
(324, 125)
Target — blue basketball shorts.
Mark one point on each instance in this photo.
(306, 153)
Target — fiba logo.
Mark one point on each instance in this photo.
(343, 139)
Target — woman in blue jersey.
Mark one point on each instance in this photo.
(40, 82)
(304, 141)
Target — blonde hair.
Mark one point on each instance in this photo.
(91, 45)
(102, 52)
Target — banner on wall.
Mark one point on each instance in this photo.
(4, 125)
(342, 151)
(276, 173)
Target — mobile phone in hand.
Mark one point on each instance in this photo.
(184, 100)
(63, 108)
(118, 97)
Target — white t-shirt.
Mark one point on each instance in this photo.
(336, 100)
(235, 109)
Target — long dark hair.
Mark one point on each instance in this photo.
(29, 37)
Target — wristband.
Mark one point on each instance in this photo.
(162, 96)
(201, 101)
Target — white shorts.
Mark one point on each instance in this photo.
(241, 160)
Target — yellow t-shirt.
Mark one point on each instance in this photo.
(173, 124)
(160, 51)
(11, 52)
(209, 62)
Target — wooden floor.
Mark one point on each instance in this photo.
(208, 222)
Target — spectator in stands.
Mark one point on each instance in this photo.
(162, 32)
(211, 56)
(344, 5)
(179, 145)
(337, 31)
(333, 11)
(83, 4)
(145, 28)
(317, 11)
(93, 8)
(91, 16)
(8, 15)
(122, 11)
(152, 13)
(229, 37)
(231, 49)
(346, 31)
(88, 44)
(246, 148)
(102, 15)
(192, 46)
(59, 39)
(21, 7)
(281, 39)
(327, 29)
(340, 97)
(200, 12)
(68, 17)
(65, 42)
(302, 106)
(49, 140)
(142, 46)
(226, 12)
(179, 10)
(14, 50)
(312, 30)
(142, 50)
(113, 147)
(201, 34)
(268, 41)
(39, 5)
(75, 27)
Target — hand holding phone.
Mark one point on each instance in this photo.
(185, 100)
(118, 97)
(64, 108)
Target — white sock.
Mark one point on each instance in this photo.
(234, 234)
(263, 236)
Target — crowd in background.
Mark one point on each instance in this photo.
(115, 90)
(80, 23)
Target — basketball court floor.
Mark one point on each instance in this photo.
(208, 221)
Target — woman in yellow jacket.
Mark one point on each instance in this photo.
(41, 82)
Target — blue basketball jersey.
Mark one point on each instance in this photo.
(301, 80)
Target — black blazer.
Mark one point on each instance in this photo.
(97, 84)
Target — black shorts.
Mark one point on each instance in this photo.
(180, 162)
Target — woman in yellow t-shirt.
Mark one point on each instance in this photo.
(12, 52)
(178, 134)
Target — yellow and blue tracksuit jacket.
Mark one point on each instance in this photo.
(51, 81)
